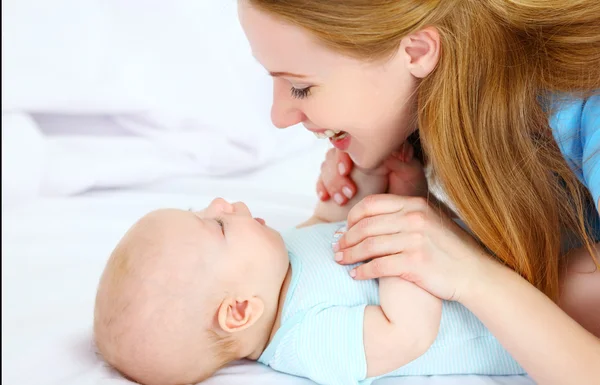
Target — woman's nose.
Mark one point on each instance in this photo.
(284, 111)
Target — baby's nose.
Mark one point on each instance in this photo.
(221, 205)
(241, 208)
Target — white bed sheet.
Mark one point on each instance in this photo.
(53, 251)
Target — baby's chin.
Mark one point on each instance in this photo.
(281, 251)
(275, 237)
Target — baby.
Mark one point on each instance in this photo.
(185, 293)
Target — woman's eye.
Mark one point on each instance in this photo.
(300, 93)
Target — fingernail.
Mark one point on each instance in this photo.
(339, 256)
(339, 199)
(342, 169)
(353, 273)
(336, 247)
(321, 195)
(347, 192)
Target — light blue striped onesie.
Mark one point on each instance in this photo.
(321, 333)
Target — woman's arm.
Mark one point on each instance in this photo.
(406, 238)
(580, 289)
(549, 345)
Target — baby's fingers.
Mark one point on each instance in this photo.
(344, 163)
(341, 189)
(322, 191)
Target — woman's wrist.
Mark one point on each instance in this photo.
(485, 277)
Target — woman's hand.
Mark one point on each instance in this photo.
(409, 238)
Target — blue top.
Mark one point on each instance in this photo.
(322, 321)
(576, 128)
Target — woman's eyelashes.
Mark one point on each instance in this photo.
(300, 93)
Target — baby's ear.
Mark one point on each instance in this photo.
(239, 314)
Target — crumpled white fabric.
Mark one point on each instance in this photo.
(37, 163)
(111, 94)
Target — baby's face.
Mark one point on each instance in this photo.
(248, 248)
(167, 279)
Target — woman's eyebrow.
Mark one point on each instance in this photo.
(287, 74)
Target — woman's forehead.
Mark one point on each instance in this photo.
(282, 47)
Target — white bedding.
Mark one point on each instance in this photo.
(53, 251)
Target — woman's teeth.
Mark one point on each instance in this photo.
(328, 134)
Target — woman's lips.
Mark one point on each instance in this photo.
(342, 143)
(339, 139)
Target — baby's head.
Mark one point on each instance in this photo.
(184, 293)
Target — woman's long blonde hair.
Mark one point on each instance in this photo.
(484, 112)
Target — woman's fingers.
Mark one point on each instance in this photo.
(390, 266)
(379, 246)
(379, 225)
(374, 205)
(397, 224)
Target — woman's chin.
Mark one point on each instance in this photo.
(365, 156)
(366, 162)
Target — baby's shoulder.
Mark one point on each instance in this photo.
(322, 233)
(313, 244)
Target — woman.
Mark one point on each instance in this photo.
(479, 79)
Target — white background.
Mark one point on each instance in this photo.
(113, 93)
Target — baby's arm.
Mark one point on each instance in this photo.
(406, 323)
(346, 344)
(367, 183)
(402, 328)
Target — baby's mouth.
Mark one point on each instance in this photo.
(331, 134)
(260, 220)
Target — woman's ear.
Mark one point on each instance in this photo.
(422, 51)
(235, 315)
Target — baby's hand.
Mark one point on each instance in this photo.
(335, 181)
(400, 174)
(342, 181)
(406, 173)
